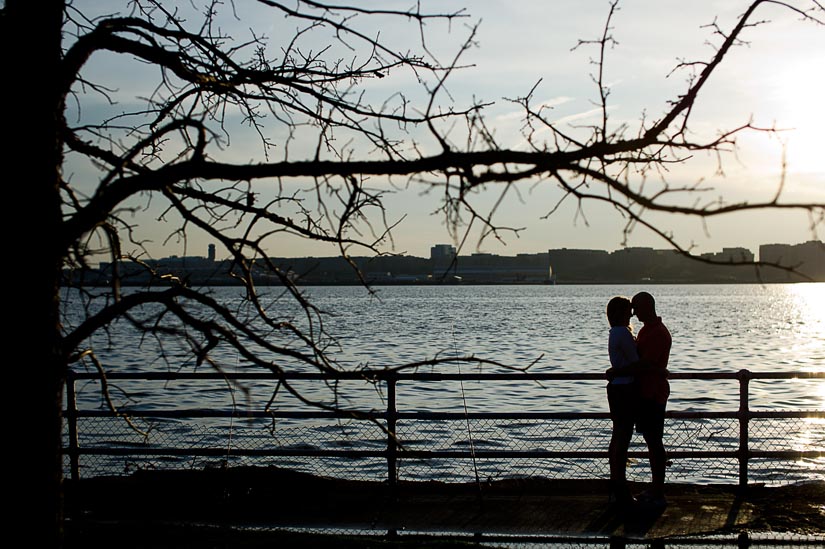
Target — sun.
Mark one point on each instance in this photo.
(800, 108)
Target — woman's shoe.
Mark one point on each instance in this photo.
(621, 498)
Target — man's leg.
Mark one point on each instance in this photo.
(658, 459)
(653, 434)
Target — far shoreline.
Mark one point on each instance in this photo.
(212, 283)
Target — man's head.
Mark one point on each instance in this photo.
(644, 306)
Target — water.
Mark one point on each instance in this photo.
(715, 328)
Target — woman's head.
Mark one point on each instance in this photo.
(619, 311)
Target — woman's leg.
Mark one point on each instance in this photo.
(619, 444)
(621, 413)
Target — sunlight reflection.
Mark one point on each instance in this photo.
(805, 315)
(810, 299)
(821, 393)
(811, 436)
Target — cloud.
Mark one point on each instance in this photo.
(548, 104)
(581, 115)
(590, 113)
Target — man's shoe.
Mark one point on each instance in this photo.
(649, 499)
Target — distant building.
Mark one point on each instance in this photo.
(442, 253)
(808, 258)
(486, 268)
(731, 255)
(647, 265)
(442, 261)
(577, 266)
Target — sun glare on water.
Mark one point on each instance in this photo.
(810, 301)
(811, 297)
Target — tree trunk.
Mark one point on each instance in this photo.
(34, 103)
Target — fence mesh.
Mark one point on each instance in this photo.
(304, 445)
(363, 537)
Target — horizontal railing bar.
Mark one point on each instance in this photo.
(676, 454)
(451, 416)
(198, 413)
(756, 414)
(131, 451)
(795, 454)
(421, 376)
(424, 454)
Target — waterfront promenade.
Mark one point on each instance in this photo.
(270, 502)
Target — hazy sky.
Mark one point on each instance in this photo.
(777, 78)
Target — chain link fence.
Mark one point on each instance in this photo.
(735, 541)
(773, 447)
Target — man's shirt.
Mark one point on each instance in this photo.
(653, 344)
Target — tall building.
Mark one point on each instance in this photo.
(442, 258)
(442, 252)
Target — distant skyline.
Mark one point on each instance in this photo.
(774, 80)
(564, 266)
(755, 251)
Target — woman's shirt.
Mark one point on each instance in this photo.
(621, 346)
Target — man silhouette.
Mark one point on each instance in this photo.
(653, 344)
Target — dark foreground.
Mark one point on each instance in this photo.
(258, 507)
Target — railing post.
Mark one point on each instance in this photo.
(392, 443)
(71, 420)
(744, 377)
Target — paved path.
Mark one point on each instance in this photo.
(532, 507)
(690, 513)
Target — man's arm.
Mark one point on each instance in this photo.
(642, 367)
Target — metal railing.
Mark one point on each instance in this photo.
(391, 420)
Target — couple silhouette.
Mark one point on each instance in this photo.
(637, 393)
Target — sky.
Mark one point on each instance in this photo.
(776, 79)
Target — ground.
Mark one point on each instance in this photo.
(256, 507)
